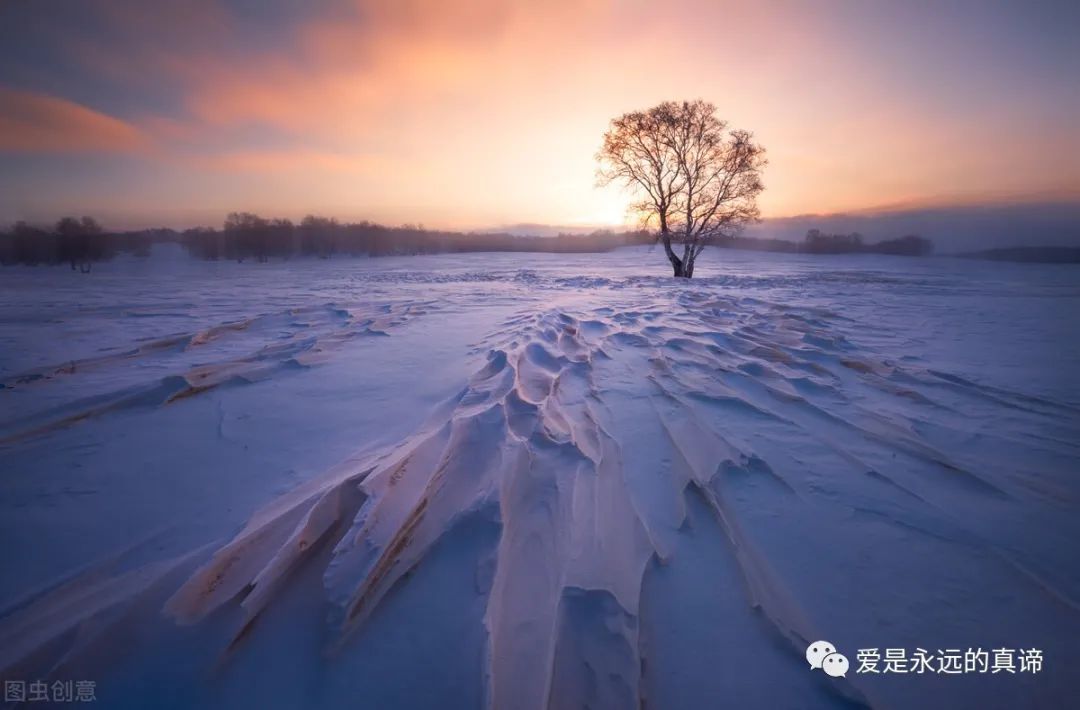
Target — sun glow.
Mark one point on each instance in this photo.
(415, 112)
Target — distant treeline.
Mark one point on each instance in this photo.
(81, 242)
(1029, 255)
(247, 235)
(818, 242)
(78, 242)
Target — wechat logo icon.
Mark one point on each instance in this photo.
(823, 655)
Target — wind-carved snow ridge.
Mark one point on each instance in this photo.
(524, 443)
(588, 433)
(537, 442)
(235, 352)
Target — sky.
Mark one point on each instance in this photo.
(477, 114)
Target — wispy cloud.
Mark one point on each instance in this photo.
(493, 109)
(36, 123)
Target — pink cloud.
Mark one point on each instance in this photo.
(494, 108)
(36, 123)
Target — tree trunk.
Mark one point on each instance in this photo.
(691, 260)
(676, 262)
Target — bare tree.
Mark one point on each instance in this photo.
(694, 179)
(81, 242)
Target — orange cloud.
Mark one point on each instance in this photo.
(35, 123)
(489, 111)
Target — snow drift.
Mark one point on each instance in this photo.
(685, 484)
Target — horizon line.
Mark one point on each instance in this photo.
(940, 202)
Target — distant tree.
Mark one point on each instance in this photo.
(245, 235)
(816, 242)
(280, 238)
(30, 245)
(204, 242)
(318, 236)
(81, 242)
(315, 222)
(696, 181)
(69, 236)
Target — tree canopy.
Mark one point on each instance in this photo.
(695, 180)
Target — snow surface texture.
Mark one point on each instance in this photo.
(453, 481)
